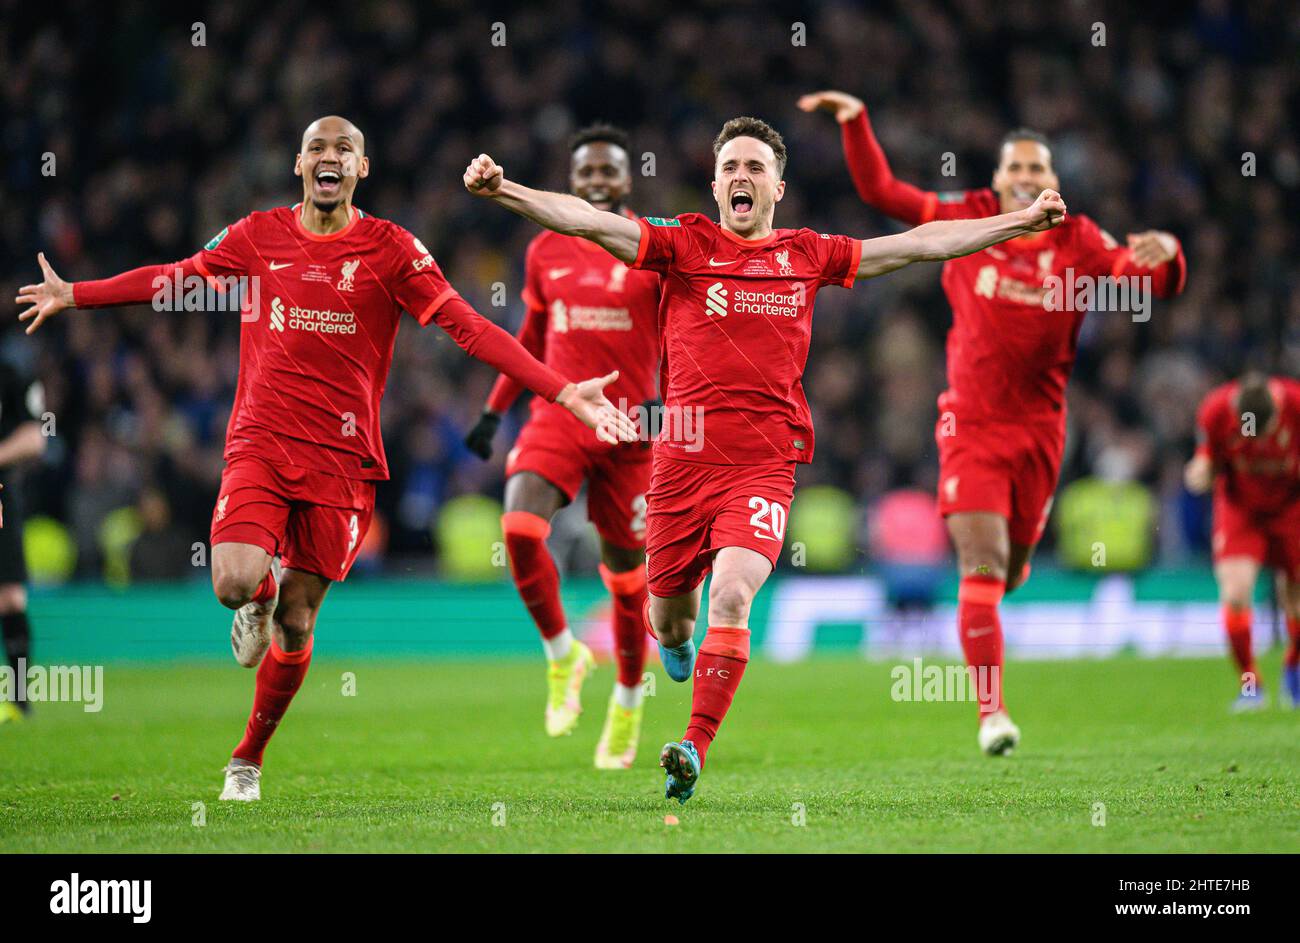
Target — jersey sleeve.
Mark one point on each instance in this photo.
(663, 241)
(226, 253)
(874, 180)
(1207, 421)
(1099, 253)
(837, 258)
(534, 295)
(417, 282)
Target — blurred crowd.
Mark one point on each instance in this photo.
(1177, 119)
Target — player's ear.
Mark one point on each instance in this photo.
(297, 164)
(780, 191)
(363, 168)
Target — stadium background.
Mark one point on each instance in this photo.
(160, 143)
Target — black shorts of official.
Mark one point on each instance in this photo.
(13, 562)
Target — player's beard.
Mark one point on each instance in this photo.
(326, 207)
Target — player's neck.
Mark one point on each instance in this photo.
(322, 223)
(759, 233)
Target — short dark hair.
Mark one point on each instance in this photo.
(1025, 134)
(1254, 397)
(601, 131)
(747, 127)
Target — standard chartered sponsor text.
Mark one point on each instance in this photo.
(779, 304)
(322, 321)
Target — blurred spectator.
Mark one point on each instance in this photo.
(161, 551)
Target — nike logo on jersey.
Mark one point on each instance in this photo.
(558, 273)
(715, 263)
(276, 266)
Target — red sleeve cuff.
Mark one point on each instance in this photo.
(557, 385)
(425, 316)
(854, 262)
(643, 246)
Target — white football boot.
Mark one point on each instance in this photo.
(243, 784)
(250, 632)
(998, 735)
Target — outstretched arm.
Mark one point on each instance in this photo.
(560, 212)
(53, 294)
(949, 239)
(875, 182)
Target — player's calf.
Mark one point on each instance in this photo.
(672, 623)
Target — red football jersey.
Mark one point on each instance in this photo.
(737, 320)
(1258, 472)
(1009, 356)
(587, 314)
(315, 352)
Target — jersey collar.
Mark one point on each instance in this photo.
(748, 243)
(330, 237)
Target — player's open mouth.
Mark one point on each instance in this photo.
(1025, 197)
(741, 202)
(328, 181)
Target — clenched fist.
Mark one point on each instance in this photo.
(483, 176)
(1046, 212)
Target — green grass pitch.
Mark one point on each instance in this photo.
(451, 756)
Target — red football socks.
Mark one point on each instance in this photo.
(534, 572)
(980, 630)
(629, 591)
(1237, 624)
(718, 669)
(266, 589)
(1292, 656)
(278, 679)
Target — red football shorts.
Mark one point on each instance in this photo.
(559, 448)
(313, 520)
(1000, 468)
(1270, 539)
(697, 509)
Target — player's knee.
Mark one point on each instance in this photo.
(296, 624)
(232, 589)
(729, 603)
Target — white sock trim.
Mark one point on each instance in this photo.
(627, 698)
(558, 648)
